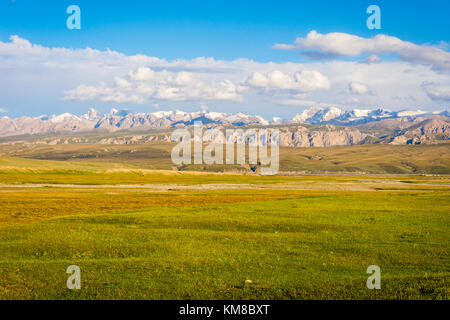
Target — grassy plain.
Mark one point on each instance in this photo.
(138, 233)
(375, 159)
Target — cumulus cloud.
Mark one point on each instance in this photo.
(2, 110)
(55, 57)
(357, 88)
(89, 75)
(145, 83)
(336, 44)
(436, 92)
(304, 81)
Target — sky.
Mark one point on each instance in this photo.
(272, 58)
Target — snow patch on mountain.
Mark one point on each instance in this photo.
(64, 117)
(410, 113)
(333, 115)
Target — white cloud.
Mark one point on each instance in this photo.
(437, 92)
(357, 88)
(144, 83)
(335, 44)
(2, 110)
(304, 81)
(90, 76)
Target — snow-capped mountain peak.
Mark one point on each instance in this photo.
(318, 115)
(64, 117)
(161, 114)
(409, 113)
(335, 115)
(126, 120)
(214, 115)
(359, 113)
(92, 115)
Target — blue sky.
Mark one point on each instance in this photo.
(223, 30)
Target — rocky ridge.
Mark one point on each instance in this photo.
(312, 128)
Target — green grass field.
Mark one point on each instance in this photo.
(140, 234)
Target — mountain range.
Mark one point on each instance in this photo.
(119, 120)
(125, 120)
(330, 126)
(333, 115)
